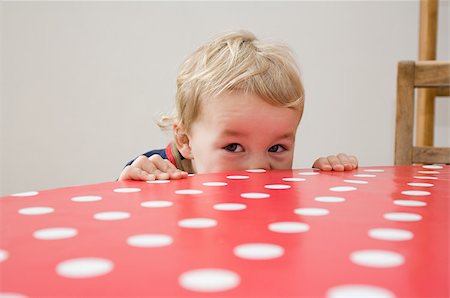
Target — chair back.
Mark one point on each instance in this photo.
(412, 75)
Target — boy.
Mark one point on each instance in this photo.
(239, 102)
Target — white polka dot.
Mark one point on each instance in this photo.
(277, 186)
(416, 193)
(308, 173)
(356, 181)
(343, 188)
(55, 233)
(400, 216)
(84, 267)
(86, 198)
(158, 181)
(127, 190)
(209, 280)
(377, 258)
(150, 240)
(255, 195)
(426, 177)
(156, 204)
(432, 167)
(12, 295)
(410, 203)
(390, 234)
(256, 171)
(359, 291)
(215, 184)
(429, 172)
(238, 177)
(36, 210)
(417, 184)
(188, 192)
(3, 255)
(229, 206)
(374, 170)
(26, 194)
(288, 227)
(112, 215)
(258, 251)
(311, 211)
(197, 223)
(330, 199)
(191, 175)
(292, 179)
(365, 175)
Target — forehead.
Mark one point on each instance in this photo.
(238, 111)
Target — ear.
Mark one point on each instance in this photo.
(182, 140)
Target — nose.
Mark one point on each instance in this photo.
(258, 162)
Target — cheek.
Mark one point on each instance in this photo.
(283, 164)
(205, 159)
(223, 166)
(213, 163)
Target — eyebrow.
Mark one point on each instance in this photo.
(233, 133)
(236, 133)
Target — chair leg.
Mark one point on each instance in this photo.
(427, 51)
(405, 114)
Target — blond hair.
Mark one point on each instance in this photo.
(236, 61)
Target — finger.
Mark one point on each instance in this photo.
(178, 175)
(144, 163)
(134, 173)
(343, 158)
(322, 164)
(161, 164)
(354, 161)
(165, 169)
(174, 172)
(170, 168)
(335, 163)
(160, 175)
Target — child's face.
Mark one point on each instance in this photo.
(241, 131)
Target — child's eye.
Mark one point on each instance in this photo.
(234, 148)
(276, 149)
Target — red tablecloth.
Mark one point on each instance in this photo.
(381, 231)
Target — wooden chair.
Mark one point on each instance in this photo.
(412, 75)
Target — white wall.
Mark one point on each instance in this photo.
(83, 82)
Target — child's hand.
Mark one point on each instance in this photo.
(151, 168)
(341, 162)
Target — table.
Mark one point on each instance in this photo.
(371, 232)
